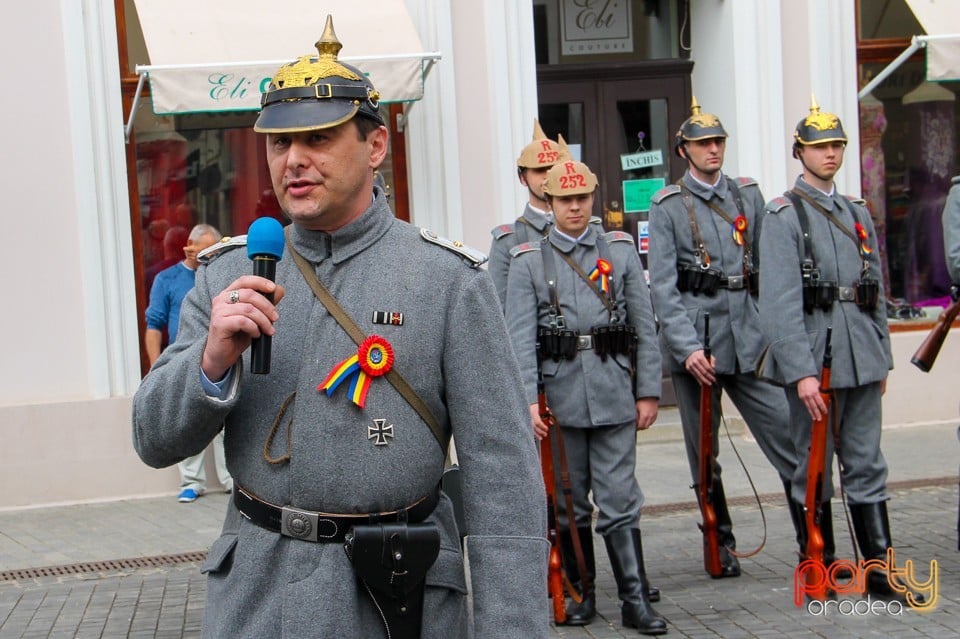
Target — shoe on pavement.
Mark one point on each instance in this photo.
(187, 495)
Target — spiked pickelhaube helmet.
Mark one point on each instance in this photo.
(317, 92)
(817, 128)
(699, 126)
(542, 152)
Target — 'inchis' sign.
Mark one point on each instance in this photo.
(595, 26)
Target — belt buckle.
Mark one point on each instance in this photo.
(584, 342)
(845, 293)
(735, 282)
(299, 524)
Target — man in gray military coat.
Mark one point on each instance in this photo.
(316, 464)
(831, 279)
(601, 370)
(535, 160)
(951, 232)
(702, 260)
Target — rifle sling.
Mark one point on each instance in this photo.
(559, 453)
(357, 335)
(610, 306)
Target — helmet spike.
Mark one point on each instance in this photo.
(538, 133)
(814, 107)
(694, 106)
(564, 149)
(328, 45)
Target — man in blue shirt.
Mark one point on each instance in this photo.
(166, 295)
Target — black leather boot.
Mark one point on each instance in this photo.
(625, 548)
(829, 544)
(580, 614)
(730, 564)
(797, 517)
(872, 528)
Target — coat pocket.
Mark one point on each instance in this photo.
(220, 556)
(445, 597)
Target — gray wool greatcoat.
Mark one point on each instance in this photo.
(529, 227)
(452, 347)
(735, 337)
(951, 231)
(584, 392)
(860, 340)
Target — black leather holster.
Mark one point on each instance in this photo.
(391, 561)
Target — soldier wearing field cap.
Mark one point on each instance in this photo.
(703, 259)
(820, 270)
(578, 300)
(535, 160)
(385, 339)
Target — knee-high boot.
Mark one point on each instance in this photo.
(625, 548)
(580, 614)
(796, 516)
(872, 528)
(730, 564)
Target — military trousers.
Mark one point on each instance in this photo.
(763, 407)
(602, 462)
(863, 468)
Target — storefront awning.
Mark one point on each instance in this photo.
(218, 55)
(941, 20)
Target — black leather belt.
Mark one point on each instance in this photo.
(309, 525)
(734, 282)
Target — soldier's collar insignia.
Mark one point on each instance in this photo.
(391, 318)
(373, 358)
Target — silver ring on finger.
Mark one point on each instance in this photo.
(234, 297)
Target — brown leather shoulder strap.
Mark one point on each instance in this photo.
(357, 335)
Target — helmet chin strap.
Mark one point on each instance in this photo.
(814, 173)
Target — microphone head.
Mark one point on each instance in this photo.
(265, 237)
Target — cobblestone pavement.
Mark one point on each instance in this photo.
(131, 568)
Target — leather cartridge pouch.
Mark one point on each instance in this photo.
(392, 561)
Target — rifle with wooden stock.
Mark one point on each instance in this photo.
(711, 538)
(555, 563)
(551, 448)
(816, 586)
(927, 353)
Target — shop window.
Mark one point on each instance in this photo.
(909, 153)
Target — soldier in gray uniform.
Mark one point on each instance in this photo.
(951, 233)
(702, 259)
(535, 160)
(321, 468)
(820, 269)
(578, 301)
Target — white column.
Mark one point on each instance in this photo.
(737, 76)
(99, 161)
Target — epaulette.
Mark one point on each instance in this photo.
(596, 220)
(856, 200)
(664, 193)
(473, 257)
(746, 181)
(502, 231)
(618, 236)
(777, 204)
(526, 247)
(225, 244)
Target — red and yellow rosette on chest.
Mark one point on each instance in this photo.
(739, 228)
(862, 236)
(602, 272)
(373, 358)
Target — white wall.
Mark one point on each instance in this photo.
(71, 357)
(476, 116)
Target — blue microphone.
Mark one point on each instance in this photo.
(265, 248)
